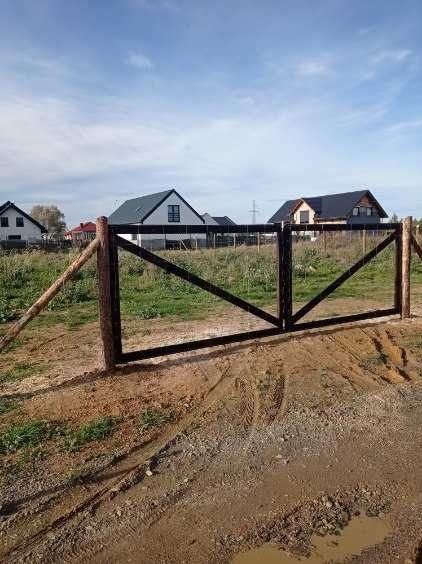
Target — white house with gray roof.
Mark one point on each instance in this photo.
(162, 208)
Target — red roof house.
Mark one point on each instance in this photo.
(83, 232)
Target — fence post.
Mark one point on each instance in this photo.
(104, 295)
(406, 255)
(287, 274)
(279, 250)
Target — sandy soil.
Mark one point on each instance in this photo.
(269, 441)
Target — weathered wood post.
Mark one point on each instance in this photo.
(406, 255)
(279, 254)
(104, 295)
(364, 241)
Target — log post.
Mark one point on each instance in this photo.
(406, 255)
(279, 254)
(104, 295)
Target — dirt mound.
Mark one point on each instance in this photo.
(253, 439)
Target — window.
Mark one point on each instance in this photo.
(4, 222)
(173, 214)
(19, 222)
(369, 211)
(355, 211)
(304, 216)
(14, 237)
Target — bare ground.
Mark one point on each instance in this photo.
(269, 441)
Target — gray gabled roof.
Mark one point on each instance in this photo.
(137, 210)
(9, 204)
(223, 220)
(331, 206)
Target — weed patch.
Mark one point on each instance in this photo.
(152, 418)
(6, 406)
(20, 371)
(92, 431)
(28, 434)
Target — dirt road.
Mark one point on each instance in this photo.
(270, 442)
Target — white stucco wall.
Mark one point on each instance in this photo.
(303, 207)
(29, 231)
(160, 217)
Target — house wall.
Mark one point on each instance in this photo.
(29, 231)
(209, 220)
(160, 217)
(304, 207)
(361, 219)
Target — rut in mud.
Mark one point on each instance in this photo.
(265, 418)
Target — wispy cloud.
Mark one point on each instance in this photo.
(139, 60)
(313, 67)
(391, 56)
(405, 126)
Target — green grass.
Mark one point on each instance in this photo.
(148, 292)
(6, 406)
(20, 371)
(152, 418)
(27, 434)
(93, 431)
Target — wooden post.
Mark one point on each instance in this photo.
(279, 250)
(49, 294)
(234, 240)
(104, 295)
(406, 255)
(259, 237)
(364, 241)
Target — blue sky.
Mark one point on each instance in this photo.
(226, 101)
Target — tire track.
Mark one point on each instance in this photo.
(131, 471)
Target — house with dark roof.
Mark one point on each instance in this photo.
(359, 206)
(17, 225)
(217, 220)
(161, 208)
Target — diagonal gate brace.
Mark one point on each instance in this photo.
(197, 281)
(341, 279)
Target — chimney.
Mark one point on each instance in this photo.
(81, 225)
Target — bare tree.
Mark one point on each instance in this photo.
(49, 216)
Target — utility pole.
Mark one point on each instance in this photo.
(254, 211)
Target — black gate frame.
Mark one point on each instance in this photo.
(286, 321)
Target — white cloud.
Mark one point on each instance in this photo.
(313, 68)
(391, 56)
(405, 126)
(139, 60)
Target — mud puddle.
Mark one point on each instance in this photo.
(360, 534)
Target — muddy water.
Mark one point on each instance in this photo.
(360, 533)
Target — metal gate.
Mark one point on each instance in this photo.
(285, 321)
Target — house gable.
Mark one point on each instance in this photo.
(159, 214)
(327, 208)
(17, 224)
(137, 210)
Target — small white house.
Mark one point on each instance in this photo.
(161, 208)
(17, 225)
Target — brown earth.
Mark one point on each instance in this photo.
(269, 441)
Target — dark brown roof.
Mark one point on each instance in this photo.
(331, 206)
